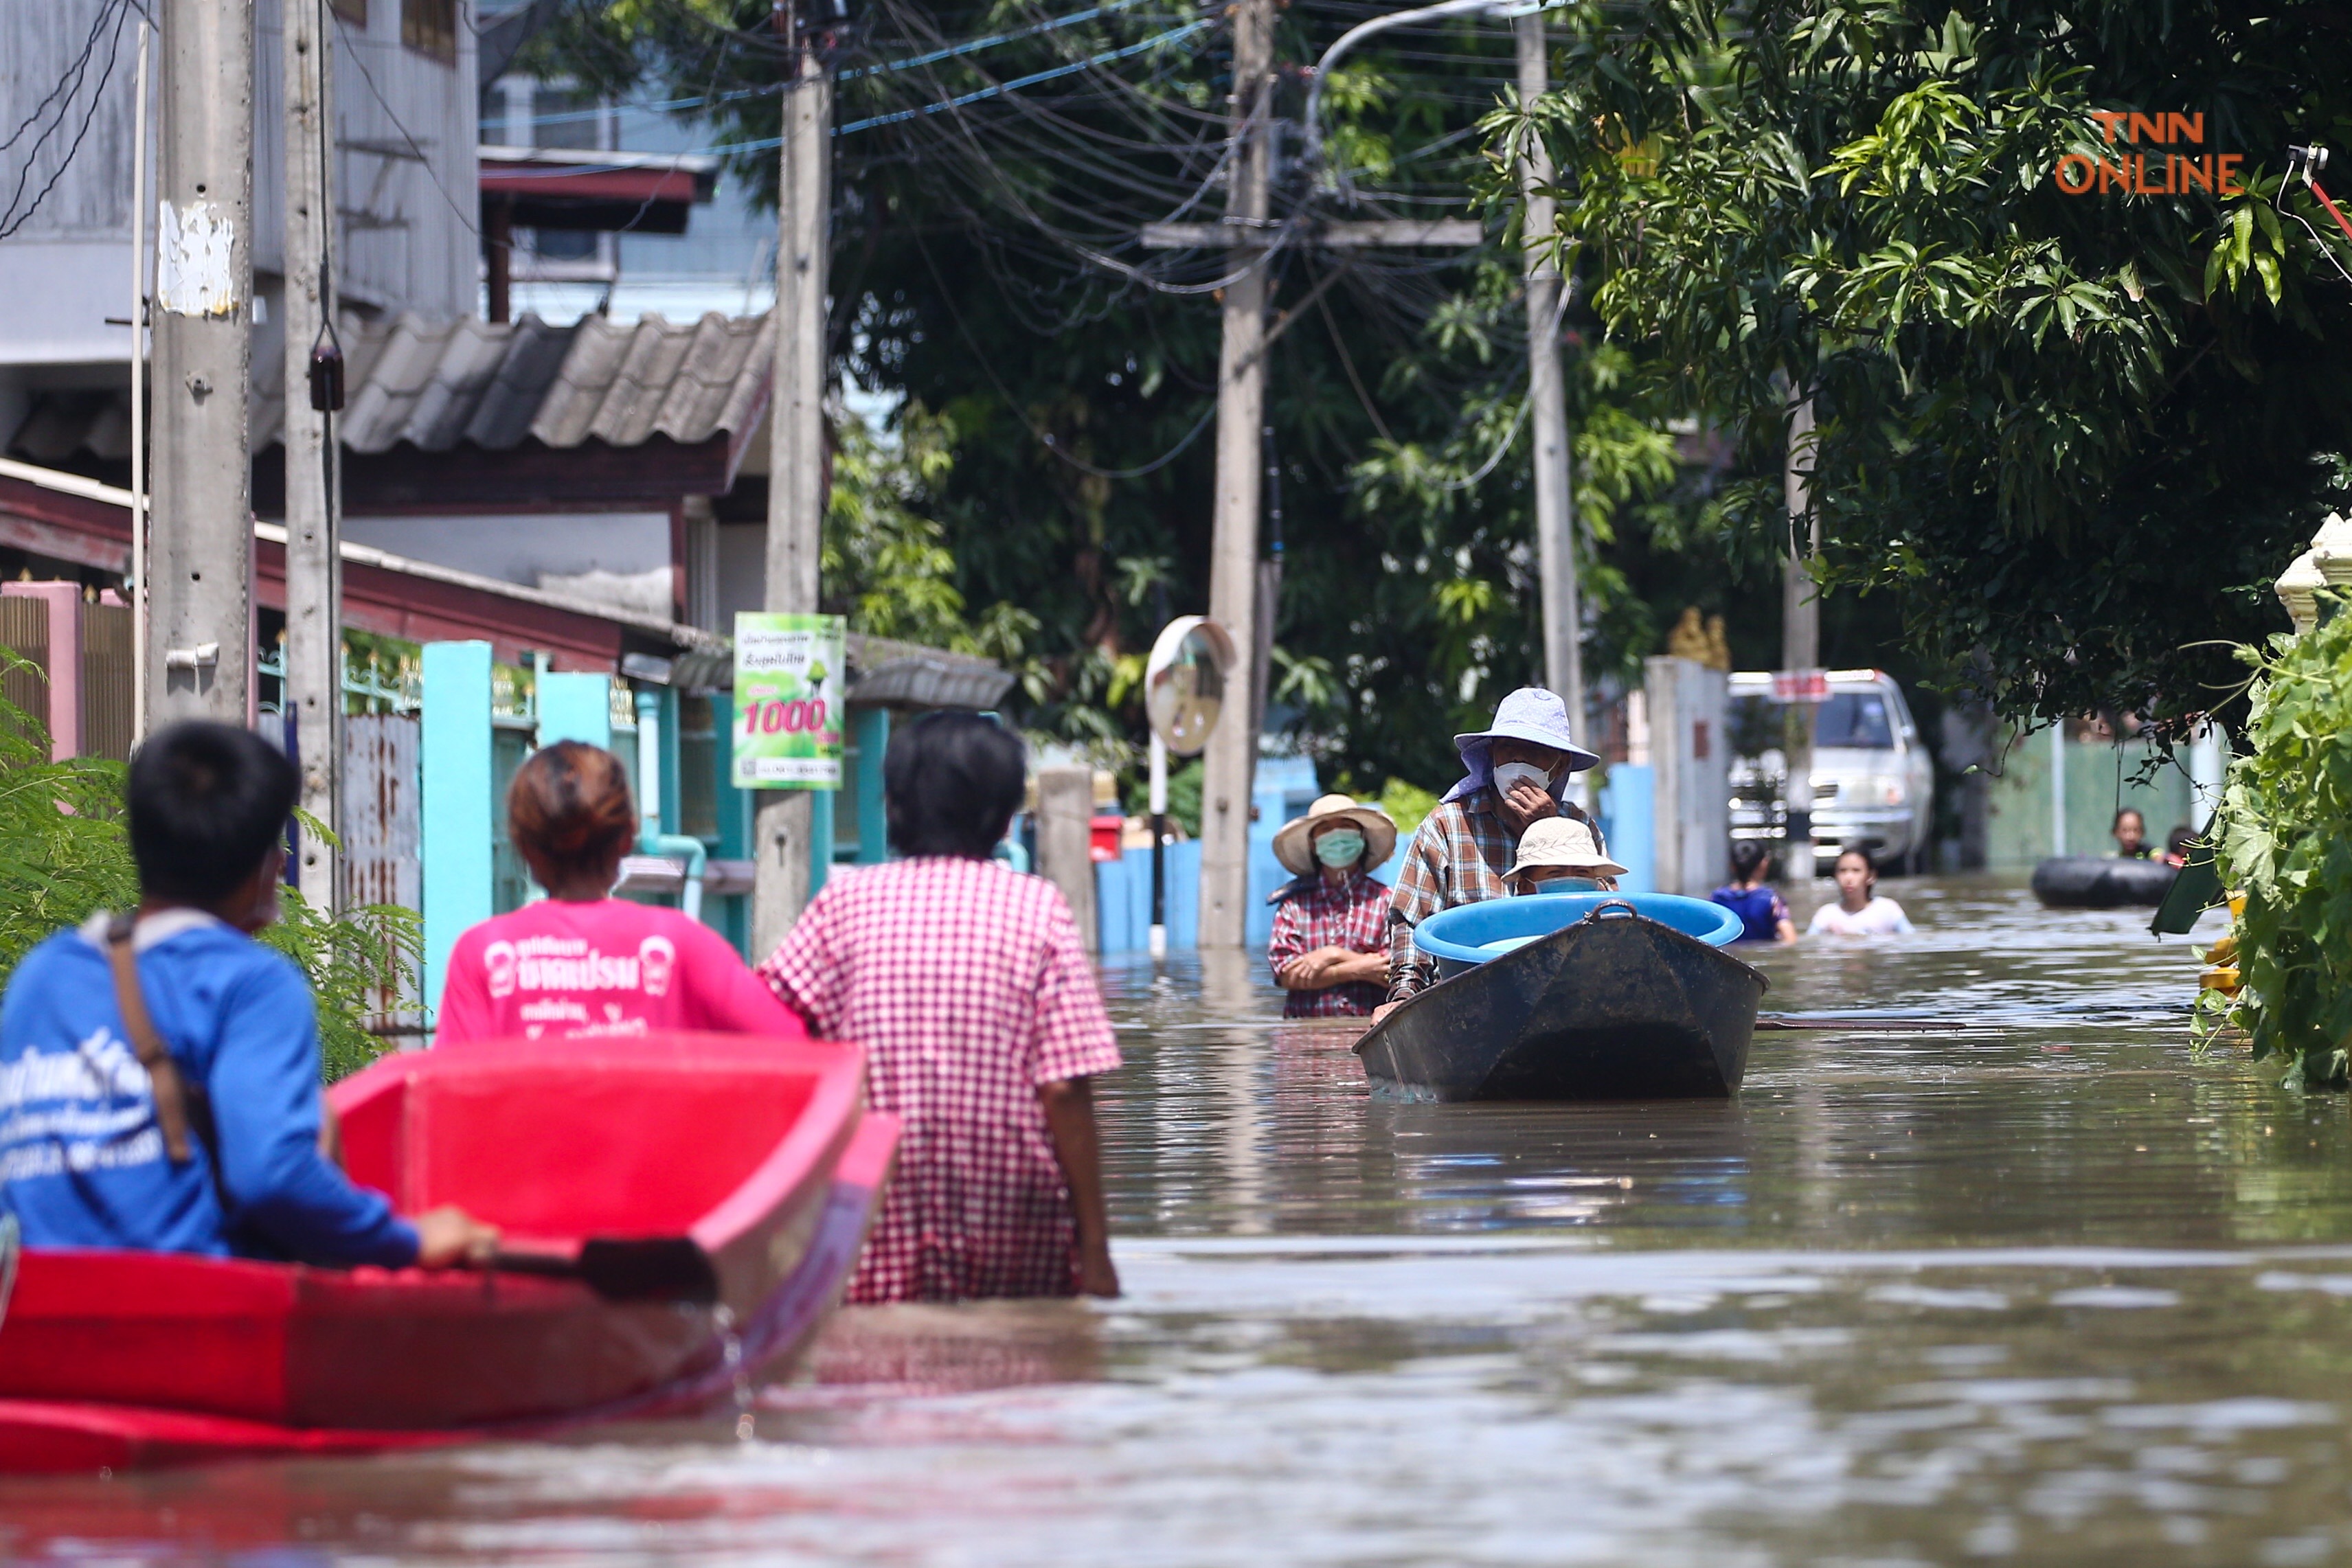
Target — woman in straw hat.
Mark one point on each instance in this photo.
(1330, 947)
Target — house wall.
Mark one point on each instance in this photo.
(531, 548)
(409, 237)
(408, 241)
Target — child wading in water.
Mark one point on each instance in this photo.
(1859, 911)
(1763, 915)
(968, 985)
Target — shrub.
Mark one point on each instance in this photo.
(2285, 840)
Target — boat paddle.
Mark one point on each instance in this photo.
(624, 1269)
(1868, 1024)
(10, 1236)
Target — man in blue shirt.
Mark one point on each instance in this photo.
(207, 1140)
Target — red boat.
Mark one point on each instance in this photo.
(741, 1171)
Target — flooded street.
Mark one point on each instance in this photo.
(2031, 1283)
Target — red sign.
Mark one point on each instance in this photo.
(1801, 685)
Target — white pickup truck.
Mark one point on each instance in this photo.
(1874, 782)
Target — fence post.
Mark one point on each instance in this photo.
(1065, 809)
(734, 812)
(872, 725)
(1692, 819)
(64, 718)
(458, 820)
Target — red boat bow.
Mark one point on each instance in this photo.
(761, 1152)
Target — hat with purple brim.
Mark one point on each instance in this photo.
(1294, 842)
(1564, 845)
(1530, 714)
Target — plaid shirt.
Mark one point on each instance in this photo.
(1458, 857)
(968, 985)
(1353, 914)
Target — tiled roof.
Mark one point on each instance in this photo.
(438, 385)
(435, 385)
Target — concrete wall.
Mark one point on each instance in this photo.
(616, 557)
(1690, 754)
(2098, 779)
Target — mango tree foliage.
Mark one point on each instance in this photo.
(2075, 435)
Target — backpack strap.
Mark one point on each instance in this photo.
(162, 1074)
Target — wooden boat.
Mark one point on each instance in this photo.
(753, 1162)
(1611, 1005)
(2101, 881)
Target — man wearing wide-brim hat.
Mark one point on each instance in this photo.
(1516, 772)
(1330, 947)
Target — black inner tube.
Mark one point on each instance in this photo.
(2092, 882)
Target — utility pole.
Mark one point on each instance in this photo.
(200, 651)
(1800, 631)
(796, 479)
(1232, 757)
(314, 578)
(1233, 576)
(1547, 392)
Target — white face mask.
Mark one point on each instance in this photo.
(1508, 776)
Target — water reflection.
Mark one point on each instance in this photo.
(2045, 1289)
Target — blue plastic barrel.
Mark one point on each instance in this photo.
(1473, 933)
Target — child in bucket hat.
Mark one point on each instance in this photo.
(1559, 855)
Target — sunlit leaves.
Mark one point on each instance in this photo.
(2033, 406)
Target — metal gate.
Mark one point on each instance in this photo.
(383, 855)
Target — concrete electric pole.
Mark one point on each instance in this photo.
(796, 476)
(200, 650)
(1241, 418)
(314, 578)
(1250, 237)
(1548, 395)
(1801, 633)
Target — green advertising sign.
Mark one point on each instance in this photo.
(788, 700)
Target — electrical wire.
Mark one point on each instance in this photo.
(1045, 437)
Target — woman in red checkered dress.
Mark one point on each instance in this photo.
(969, 989)
(1330, 947)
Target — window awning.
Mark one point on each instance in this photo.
(597, 193)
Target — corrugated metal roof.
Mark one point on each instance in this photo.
(434, 385)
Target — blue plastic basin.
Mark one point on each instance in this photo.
(1473, 933)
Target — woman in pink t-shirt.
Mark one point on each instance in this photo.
(579, 962)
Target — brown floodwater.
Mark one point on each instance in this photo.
(2034, 1283)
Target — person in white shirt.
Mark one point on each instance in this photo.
(1859, 911)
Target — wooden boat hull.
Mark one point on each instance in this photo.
(733, 1142)
(61, 1435)
(1607, 1008)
